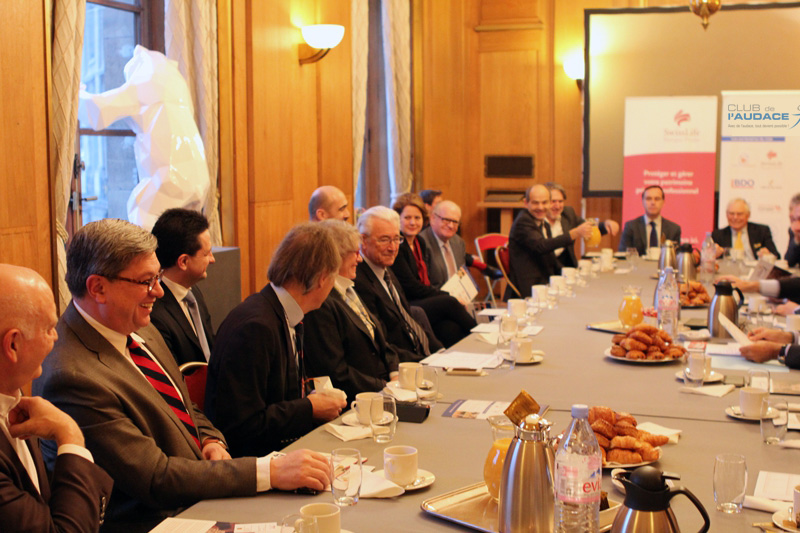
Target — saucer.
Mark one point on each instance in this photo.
(537, 356)
(351, 419)
(424, 479)
(395, 386)
(713, 378)
(734, 411)
(782, 520)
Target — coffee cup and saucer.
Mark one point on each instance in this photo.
(401, 468)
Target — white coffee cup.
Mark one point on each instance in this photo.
(517, 307)
(570, 272)
(328, 516)
(407, 375)
(400, 464)
(607, 252)
(699, 363)
(750, 401)
(796, 505)
(560, 282)
(541, 292)
(792, 323)
(737, 255)
(364, 406)
(522, 349)
(654, 253)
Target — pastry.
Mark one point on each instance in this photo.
(622, 456)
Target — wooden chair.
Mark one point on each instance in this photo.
(483, 244)
(195, 374)
(501, 255)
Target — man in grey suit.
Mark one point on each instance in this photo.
(651, 229)
(111, 371)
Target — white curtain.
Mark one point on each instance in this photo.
(395, 23)
(359, 35)
(68, 19)
(190, 28)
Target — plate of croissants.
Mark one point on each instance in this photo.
(694, 295)
(644, 344)
(621, 443)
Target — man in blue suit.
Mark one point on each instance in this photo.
(651, 229)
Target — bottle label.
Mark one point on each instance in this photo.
(578, 478)
(667, 303)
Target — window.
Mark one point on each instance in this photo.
(112, 29)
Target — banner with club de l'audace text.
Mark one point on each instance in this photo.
(760, 156)
(671, 141)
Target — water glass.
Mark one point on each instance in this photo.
(506, 330)
(427, 385)
(730, 482)
(532, 308)
(570, 292)
(759, 379)
(297, 523)
(695, 370)
(632, 255)
(774, 420)
(552, 297)
(346, 481)
(383, 422)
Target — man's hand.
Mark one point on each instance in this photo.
(785, 309)
(612, 226)
(744, 286)
(762, 252)
(214, 451)
(300, 468)
(761, 351)
(584, 230)
(719, 250)
(38, 417)
(773, 335)
(325, 407)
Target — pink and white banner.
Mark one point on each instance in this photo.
(671, 142)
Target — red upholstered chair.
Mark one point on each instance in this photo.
(501, 254)
(485, 245)
(195, 374)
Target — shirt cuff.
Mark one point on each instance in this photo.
(263, 470)
(769, 287)
(76, 450)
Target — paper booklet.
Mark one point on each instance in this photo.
(461, 286)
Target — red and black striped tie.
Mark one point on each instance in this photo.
(155, 375)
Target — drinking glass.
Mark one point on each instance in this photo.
(570, 292)
(297, 523)
(506, 330)
(552, 297)
(427, 385)
(532, 308)
(346, 482)
(774, 420)
(384, 423)
(695, 369)
(730, 482)
(632, 255)
(759, 379)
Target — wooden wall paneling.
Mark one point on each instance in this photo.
(272, 220)
(505, 12)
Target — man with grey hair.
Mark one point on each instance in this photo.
(111, 371)
(79, 489)
(378, 287)
(793, 250)
(257, 391)
(328, 202)
(754, 240)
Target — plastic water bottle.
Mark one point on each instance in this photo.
(708, 257)
(668, 303)
(579, 476)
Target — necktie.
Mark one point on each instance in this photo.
(358, 308)
(413, 328)
(25, 456)
(301, 367)
(194, 312)
(738, 244)
(155, 375)
(653, 235)
(449, 259)
(547, 231)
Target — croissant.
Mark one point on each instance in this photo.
(632, 344)
(648, 329)
(648, 453)
(653, 440)
(600, 412)
(641, 337)
(604, 428)
(618, 351)
(617, 455)
(619, 337)
(626, 442)
(623, 416)
(602, 440)
(636, 354)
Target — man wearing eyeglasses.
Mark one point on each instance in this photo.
(111, 371)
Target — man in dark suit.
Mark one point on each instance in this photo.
(379, 289)
(755, 240)
(76, 496)
(651, 229)
(343, 339)
(793, 250)
(563, 218)
(257, 390)
(111, 371)
(531, 245)
(181, 315)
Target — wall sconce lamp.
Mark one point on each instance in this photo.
(574, 67)
(321, 37)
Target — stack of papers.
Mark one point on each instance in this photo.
(465, 360)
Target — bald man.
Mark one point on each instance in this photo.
(75, 498)
(328, 202)
(754, 239)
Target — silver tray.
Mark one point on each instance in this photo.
(473, 507)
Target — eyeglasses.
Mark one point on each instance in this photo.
(386, 240)
(150, 283)
(448, 220)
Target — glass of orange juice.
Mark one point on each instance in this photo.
(631, 311)
(502, 433)
(594, 239)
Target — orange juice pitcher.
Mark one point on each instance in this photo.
(502, 433)
(594, 239)
(631, 311)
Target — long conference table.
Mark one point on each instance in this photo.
(574, 370)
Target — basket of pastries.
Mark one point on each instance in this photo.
(620, 441)
(645, 342)
(693, 294)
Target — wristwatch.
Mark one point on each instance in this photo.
(782, 354)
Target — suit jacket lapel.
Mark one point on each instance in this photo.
(292, 385)
(8, 450)
(353, 316)
(173, 307)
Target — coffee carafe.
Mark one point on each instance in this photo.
(646, 508)
(667, 257)
(723, 303)
(526, 492)
(687, 270)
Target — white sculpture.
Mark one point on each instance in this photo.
(156, 104)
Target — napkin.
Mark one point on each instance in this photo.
(793, 443)
(794, 407)
(655, 429)
(623, 270)
(401, 395)
(348, 433)
(376, 486)
(764, 504)
(717, 391)
(695, 334)
(488, 338)
(323, 385)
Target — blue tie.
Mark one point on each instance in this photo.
(653, 236)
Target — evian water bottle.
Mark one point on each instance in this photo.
(668, 303)
(578, 477)
(708, 258)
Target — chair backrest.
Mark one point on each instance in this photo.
(195, 374)
(501, 255)
(488, 242)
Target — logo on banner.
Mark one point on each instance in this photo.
(681, 117)
(771, 155)
(742, 183)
